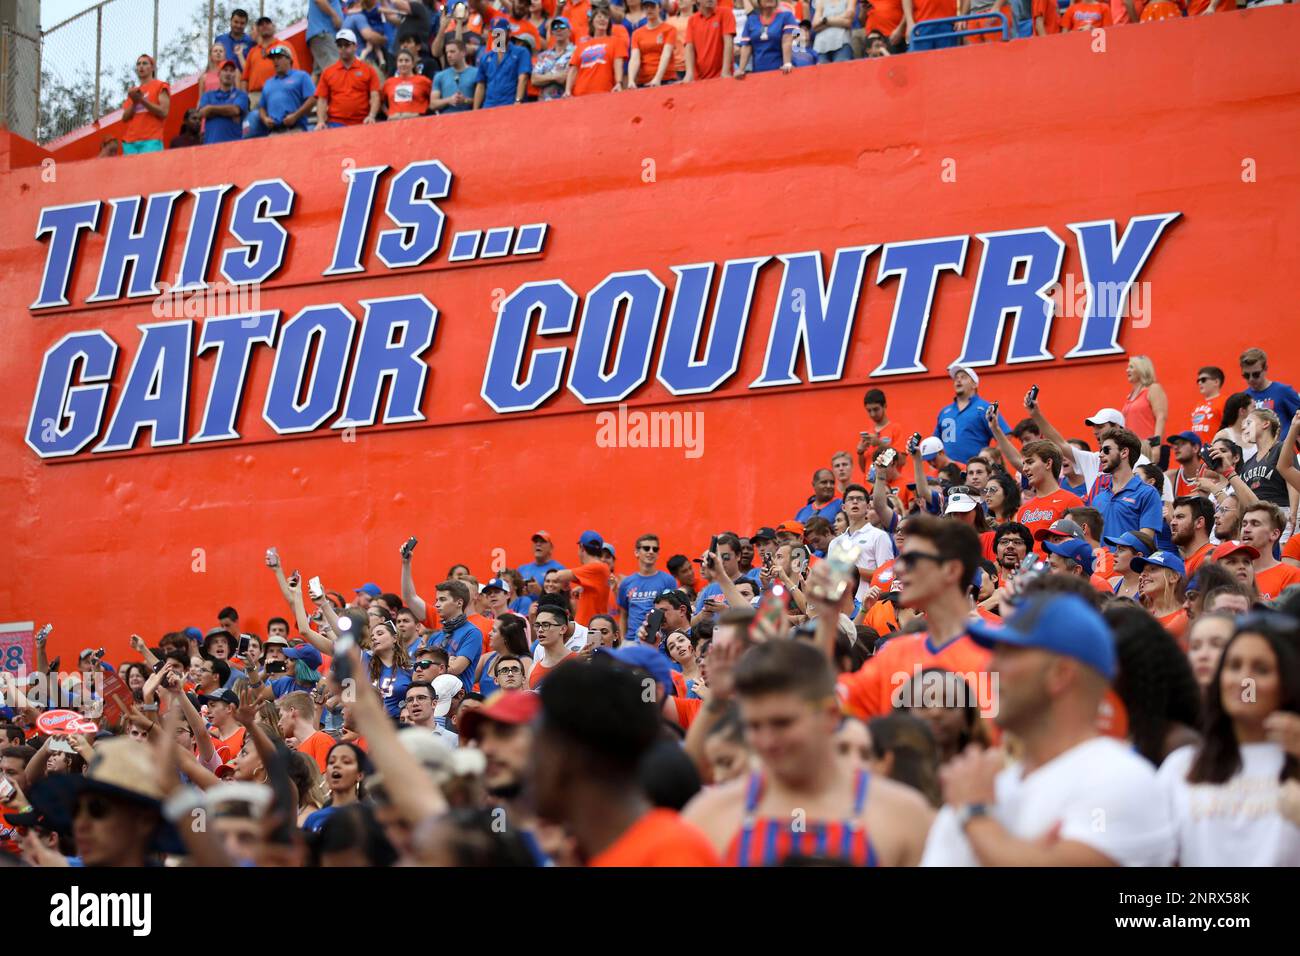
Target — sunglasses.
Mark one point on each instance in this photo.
(1248, 376)
(649, 547)
(910, 559)
(420, 665)
(97, 807)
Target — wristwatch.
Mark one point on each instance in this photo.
(970, 811)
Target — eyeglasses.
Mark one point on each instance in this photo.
(509, 669)
(547, 625)
(97, 807)
(909, 559)
(425, 698)
(855, 499)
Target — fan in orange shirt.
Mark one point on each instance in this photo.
(1047, 501)
(881, 433)
(1085, 15)
(591, 574)
(1047, 17)
(652, 49)
(595, 727)
(1161, 10)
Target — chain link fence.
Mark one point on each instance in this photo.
(20, 69)
(87, 63)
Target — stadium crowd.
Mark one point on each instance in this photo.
(378, 60)
(959, 650)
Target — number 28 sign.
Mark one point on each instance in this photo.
(18, 647)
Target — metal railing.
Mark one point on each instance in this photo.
(950, 28)
(87, 62)
(20, 70)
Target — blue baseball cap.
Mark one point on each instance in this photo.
(1073, 549)
(606, 546)
(1188, 436)
(497, 584)
(194, 634)
(1160, 559)
(305, 653)
(560, 22)
(501, 23)
(591, 537)
(1128, 540)
(370, 588)
(644, 657)
(1063, 624)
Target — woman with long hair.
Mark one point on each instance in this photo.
(1224, 793)
(211, 79)
(310, 784)
(1162, 702)
(387, 665)
(681, 651)
(1235, 410)
(1147, 406)
(1260, 470)
(509, 636)
(947, 702)
(346, 769)
(905, 751)
(1208, 636)
(603, 631)
(134, 674)
(1162, 589)
(1002, 497)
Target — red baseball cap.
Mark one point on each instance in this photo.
(793, 527)
(505, 707)
(226, 63)
(1233, 547)
(544, 535)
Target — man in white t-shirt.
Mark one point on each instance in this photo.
(874, 547)
(1075, 798)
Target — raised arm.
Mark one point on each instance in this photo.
(880, 496)
(409, 597)
(1010, 454)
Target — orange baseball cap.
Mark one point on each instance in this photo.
(793, 527)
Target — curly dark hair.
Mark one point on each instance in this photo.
(1155, 679)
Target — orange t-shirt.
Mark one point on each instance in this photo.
(317, 746)
(258, 67)
(594, 57)
(540, 670)
(576, 13)
(933, 9)
(348, 90)
(143, 125)
(1207, 415)
(1176, 624)
(1195, 8)
(1119, 12)
(868, 691)
(1037, 514)
(407, 94)
(1160, 10)
(232, 744)
(1292, 548)
(1051, 14)
(654, 42)
(1085, 16)
(687, 710)
(1194, 560)
(594, 599)
(1274, 581)
(660, 838)
(1103, 563)
(705, 36)
(885, 16)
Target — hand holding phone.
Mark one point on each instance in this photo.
(272, 558)
(314, 589)
(914, 443)
(408, 547)
(43, 634)
(1031, 398)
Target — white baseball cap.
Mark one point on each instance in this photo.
(445, 687)
(930, 447)
(960, 504)
(954, 369)
(1106, 416)
(346, 34)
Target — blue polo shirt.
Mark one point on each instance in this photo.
(283, 95)
(1279, 398)
(447, 83)
(465, 641)
(827, 511)
(963, 431)
(318, 21)
(223, 129)
(1136, 505)
(230, 44)
(500, 73)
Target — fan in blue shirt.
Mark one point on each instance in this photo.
(637, 592)
(282, 95)
(220, 124)
(542, 561)
(763, 44)
(231, 43)
(501, 68)
(823, 503)
(961, 426)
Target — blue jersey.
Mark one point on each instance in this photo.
(466, 641)
(964, 431)
(1279, 398)
(636, 596)
(500, 72)
(282, 95)
(224, 129)
(392, 684)
(765, 39)
(714, 590)
(447, 83)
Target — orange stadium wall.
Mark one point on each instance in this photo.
(816, 176)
